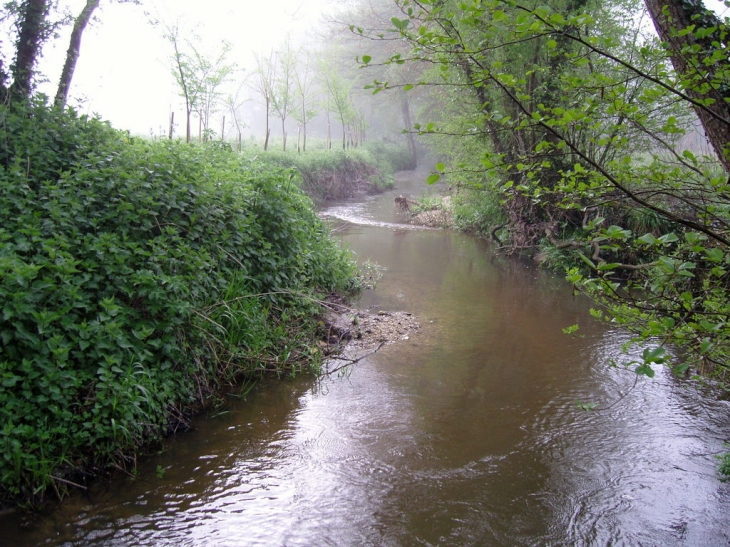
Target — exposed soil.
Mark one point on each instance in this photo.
(439, 217)
(352, 333)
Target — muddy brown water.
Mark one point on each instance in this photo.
(468, 433)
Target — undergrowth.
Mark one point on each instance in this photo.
(136, 277)
(337, 174)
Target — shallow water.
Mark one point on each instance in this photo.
(467, 433)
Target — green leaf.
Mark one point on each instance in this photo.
(587, 260)
(654, 355)
(400, 24)
(366, 59)
(669, 238)
(648, 239)
(645, 370)
(433, 178)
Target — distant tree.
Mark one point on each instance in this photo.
(234, 102)
(337, 90)
(212, 73)
(184, 74)
(263, 83)
(199, 78)
(282, 99)
(305, 96)
(348, 29)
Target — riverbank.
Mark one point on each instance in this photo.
(328, 175)
(139, 278)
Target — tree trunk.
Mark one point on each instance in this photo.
(188, 128)
(304, 127)
(30, 37)
(672, 16)
(74, 50)
(268, 131)
(406, 112)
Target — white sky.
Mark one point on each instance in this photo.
(124, 71)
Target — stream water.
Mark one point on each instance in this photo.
(468, 433)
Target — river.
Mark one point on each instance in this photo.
(467, 433)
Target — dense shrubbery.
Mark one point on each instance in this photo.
(135, 277)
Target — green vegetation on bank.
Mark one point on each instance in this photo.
(329, 174)
(136, 278)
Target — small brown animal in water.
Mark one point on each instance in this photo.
(402, 203)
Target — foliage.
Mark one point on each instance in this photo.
(135, 277)
(199, 78)
(306, 108)
(337, 94)
(336, 174)
(572, 119)
(283, 98)
(398, 158)
(263, 82)
(724, 467)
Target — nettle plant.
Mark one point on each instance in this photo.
(580, 112)
(135, 277)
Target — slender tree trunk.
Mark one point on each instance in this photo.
(268, 131)
(304, 127)
(74, 50)
(672, 16)
(406, 112)
(188, 128)
(28, 46)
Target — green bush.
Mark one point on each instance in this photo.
(135, 276)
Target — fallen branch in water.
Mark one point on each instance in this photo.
(351, 361)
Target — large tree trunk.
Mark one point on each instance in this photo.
(672, 16)
(31, 34)
(74, 50)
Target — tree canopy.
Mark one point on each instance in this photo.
(571, 119)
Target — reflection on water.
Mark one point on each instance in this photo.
(467, 433)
